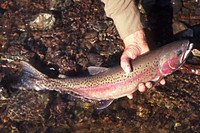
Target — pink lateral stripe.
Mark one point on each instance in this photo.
(111, 85)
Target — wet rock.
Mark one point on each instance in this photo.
(143, 112)
(59, 4)
(22, 106)
(99, 26)
(65, 48)
(178, 27)
(95, 59)
(177, 5)
(91, 36)
(83, 61)
(3, 40)
(196, 52)
(43, 21)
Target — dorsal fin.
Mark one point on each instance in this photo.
(93, 70)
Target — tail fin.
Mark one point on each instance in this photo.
(29, 77)
(29, 70)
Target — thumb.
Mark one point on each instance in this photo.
(125, 60)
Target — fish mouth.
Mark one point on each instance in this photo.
(186, 53)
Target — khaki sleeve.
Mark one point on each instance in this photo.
(125, 16)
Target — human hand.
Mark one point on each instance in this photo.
(135, 45)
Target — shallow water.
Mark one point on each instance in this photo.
(80, 38)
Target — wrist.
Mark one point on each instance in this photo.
(137, 40)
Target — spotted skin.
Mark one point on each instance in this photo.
(113, 83)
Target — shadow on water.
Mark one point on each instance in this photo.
(159, 19)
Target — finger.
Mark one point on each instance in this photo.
(163, 82)
(131, 53)
(130, 96)
(141, 87)
(125, 63)
(148, 85)
(125, 59)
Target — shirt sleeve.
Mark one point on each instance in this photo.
(125, 16)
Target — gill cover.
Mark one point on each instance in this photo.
(176, 56)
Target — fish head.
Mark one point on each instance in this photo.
(173, 56)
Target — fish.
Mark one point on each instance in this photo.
(107, 84)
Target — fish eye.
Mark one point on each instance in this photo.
(179, 52)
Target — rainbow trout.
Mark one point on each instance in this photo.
(107, 84)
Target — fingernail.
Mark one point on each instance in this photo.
(127, 69)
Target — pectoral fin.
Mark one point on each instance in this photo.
(158, 81)
(155, 82)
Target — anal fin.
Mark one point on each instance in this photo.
(104, 104)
